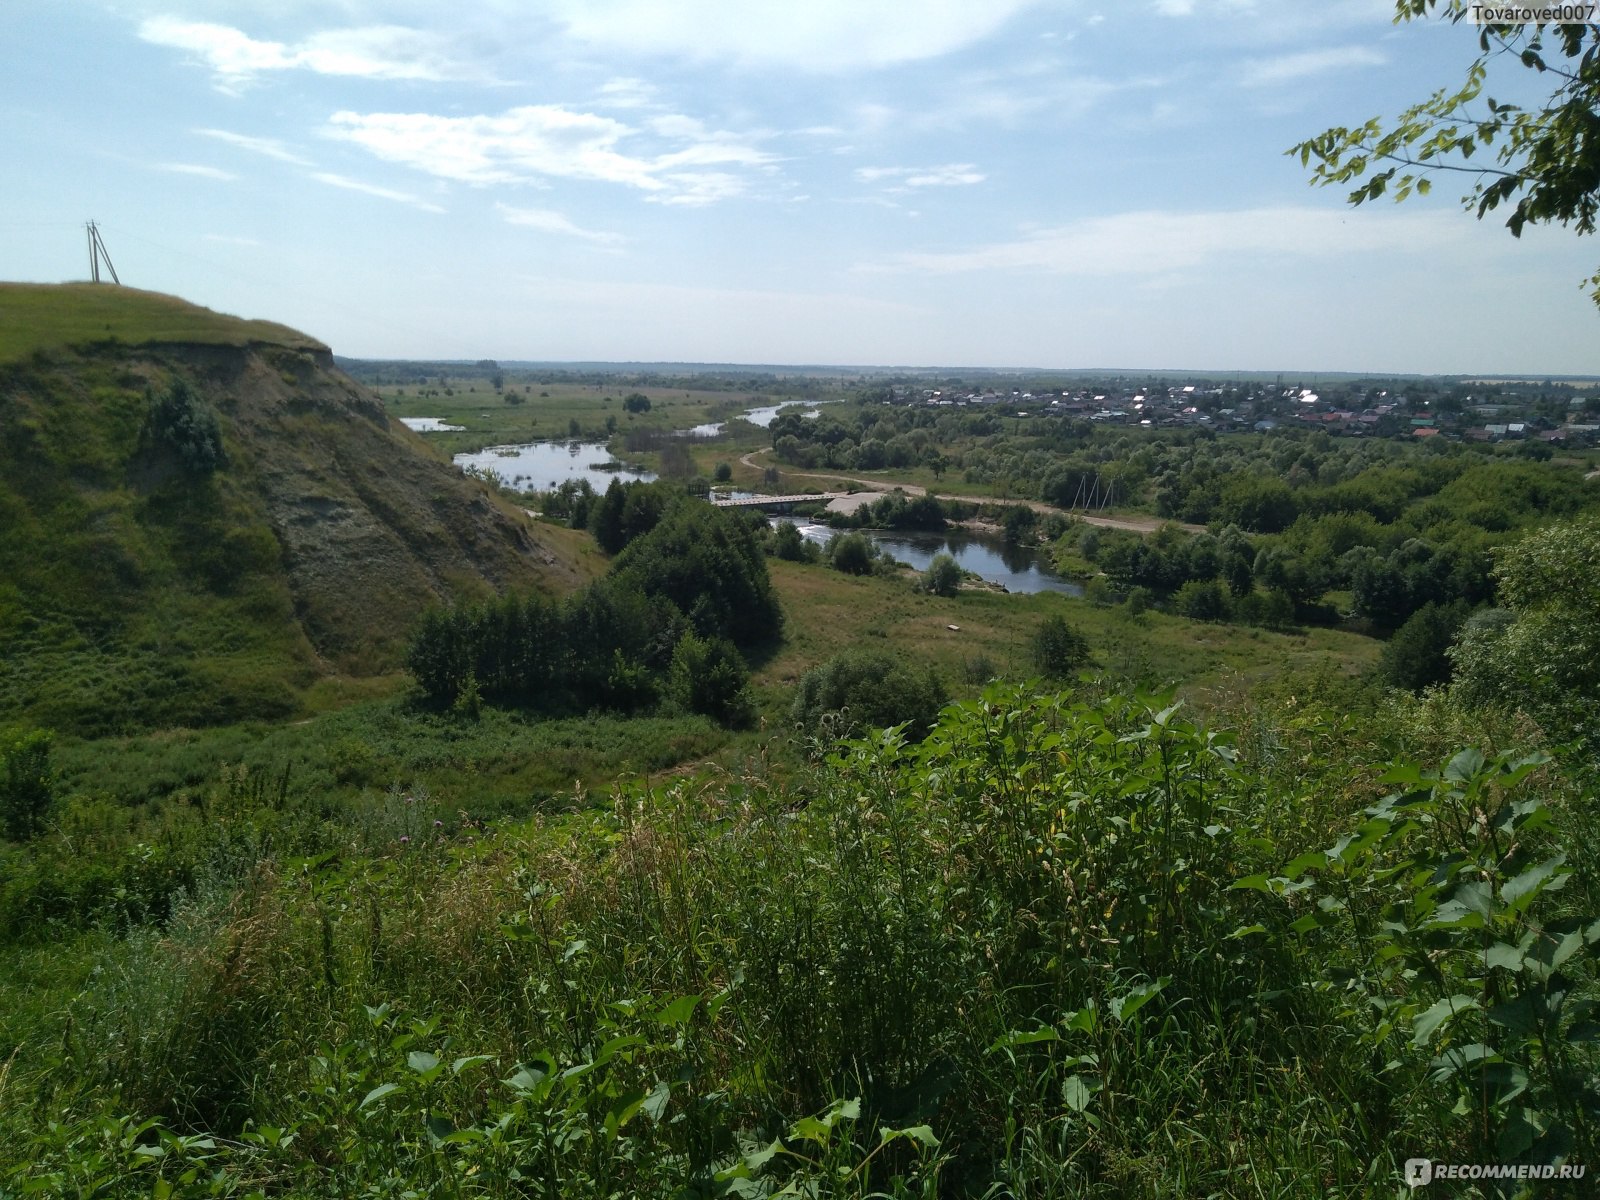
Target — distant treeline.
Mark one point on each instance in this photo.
(687, 593)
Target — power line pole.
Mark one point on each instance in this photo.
(97, 252)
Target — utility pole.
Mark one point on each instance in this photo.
(98, 252)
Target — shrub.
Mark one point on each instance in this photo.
(868, 689)
(180, 426)
(851, 553)
(27, 786)
(1058, 648)
(943, 576)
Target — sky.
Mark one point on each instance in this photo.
(921, 183)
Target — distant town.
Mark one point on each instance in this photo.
(1548, 412)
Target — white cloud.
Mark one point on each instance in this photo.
(1158, 243)
(817, 35)
(948, 175)
(535, 142)
(627, 92)
(1291, 68)
(201, 172)
(549, 221)
(270, 147)
(372, 189)
(372, 52)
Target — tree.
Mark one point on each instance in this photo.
(943, 576)
(636, 402)
(1058, 648)
(1544, 657)
(181, 427)
(851, 553)
(1417, 656)
(1544, 161)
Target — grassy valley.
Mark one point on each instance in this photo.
(372, 829)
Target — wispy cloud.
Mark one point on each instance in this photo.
(537, 142)
(199, 171)
(818, 35)
(269, 147)
(901, 178)
(1158, 243)
(372, 189)
(549, 221)
(1292, 68)
(372, 52)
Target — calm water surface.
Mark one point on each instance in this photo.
(1019, 569)
(542, 466)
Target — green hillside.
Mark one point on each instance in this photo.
(141, 585)
(42, 317)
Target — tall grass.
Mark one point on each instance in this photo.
(1032, 955)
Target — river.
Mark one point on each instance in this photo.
(1018, 569)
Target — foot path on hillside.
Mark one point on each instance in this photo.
(851, 503)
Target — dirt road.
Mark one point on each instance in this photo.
(1136, 524)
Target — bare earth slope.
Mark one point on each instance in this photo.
(132, 595)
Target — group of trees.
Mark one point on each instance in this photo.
(684, 597)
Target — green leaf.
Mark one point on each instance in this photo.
(1464, 767)
(1124, 1007)
(678, 1012)
(1075, 1093)
(422, 1062)
(922, 1134)
(469, 1061)
(1426, 1025)
(1025, 1037)
(655, 1104)
(378, 1093)
(1519, 892)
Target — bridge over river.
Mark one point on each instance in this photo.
(779, 503)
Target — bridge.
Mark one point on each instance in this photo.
(780, 503)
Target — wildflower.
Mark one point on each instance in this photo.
(405, 839)
(438, 824)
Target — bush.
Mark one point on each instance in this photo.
(868, 689)
(1058, 648)
(709, 677)
(1202, 600)
(181, 427)
(27, 787)
(943, 577)
(851, 553)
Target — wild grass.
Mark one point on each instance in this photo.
(45, 317)
(1031, 957)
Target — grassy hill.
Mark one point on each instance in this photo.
(135, 592)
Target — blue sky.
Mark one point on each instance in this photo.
(998, 183)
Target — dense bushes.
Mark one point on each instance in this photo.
(698, 572)
(867, 689)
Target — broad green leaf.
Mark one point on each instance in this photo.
(378, 1093)
(1519, 892)
(1464, 766)
(678, 1012)
(1123, 1007)
(1426, 1025)
(655, 1104)
(1025, 1037)
(1075, 1093)
(467, 1062)
(422, 1062)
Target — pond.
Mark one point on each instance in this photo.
(542, 466)
(756, 416)
(1018, 569)
(430, 425)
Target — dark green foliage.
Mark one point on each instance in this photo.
(710, 678)
(867, 689)
(943, 576)
(1058, 649)
(1202, 600)
(1417, 656)
(636, 402)
(181, 428)
(27, 786)
(613, 646)
(788, 543)
(851, 553)
(722, 473)
(709, 564)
